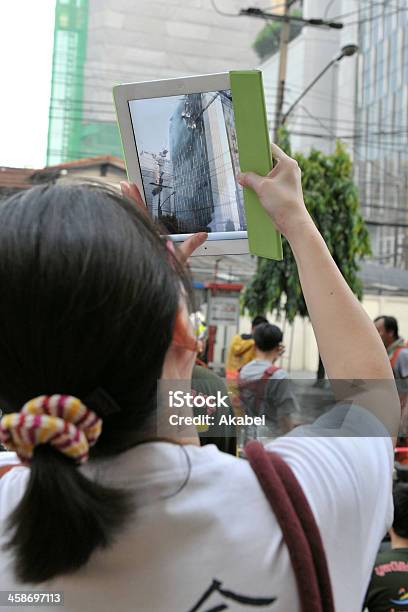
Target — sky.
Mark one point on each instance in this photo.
(151, 119)
(26, 43)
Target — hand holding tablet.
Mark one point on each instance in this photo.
(280, 192)
(185, 141)
(186, 248)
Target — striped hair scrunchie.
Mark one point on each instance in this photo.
(60, 420)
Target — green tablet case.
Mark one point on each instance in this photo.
(254, 155)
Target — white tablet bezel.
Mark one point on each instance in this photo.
(237, 244)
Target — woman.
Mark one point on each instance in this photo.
(92, 307)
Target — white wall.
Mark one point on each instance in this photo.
(301, 348)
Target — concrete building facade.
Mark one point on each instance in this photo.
(101, 43)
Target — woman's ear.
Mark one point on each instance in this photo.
(183, 333)
(182, 353)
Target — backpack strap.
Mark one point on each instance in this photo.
(395, 355)
(256, 386)
(298, 526)
(269, 372)
(201, 363)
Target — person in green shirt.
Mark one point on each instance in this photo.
(205, 382)
(388, 588)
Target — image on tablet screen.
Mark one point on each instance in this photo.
(188, 155)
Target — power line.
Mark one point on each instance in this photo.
(265, 15)
(387, 147)
(223, 14)
(315, 94)
(364, 126)
(326, 12)
(365, 8)
(352, 146)
(100, 107)
(81, 113)
(378, 138)
(360, 21)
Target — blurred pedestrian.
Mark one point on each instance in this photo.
(206, 383)
(241, 350)
(397, 351)
(396, 346)
(388, 588)
(265, 388)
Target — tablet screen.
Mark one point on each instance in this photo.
(188, 156)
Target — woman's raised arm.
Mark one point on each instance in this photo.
(349, 344)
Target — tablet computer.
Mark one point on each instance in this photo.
(184, 141)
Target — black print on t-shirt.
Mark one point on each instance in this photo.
(242, 599)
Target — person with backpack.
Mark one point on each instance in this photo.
(95, 502)
(397, 347)
(397, 351)
(264, 387)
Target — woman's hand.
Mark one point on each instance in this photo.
(187, 248)
(280, 193)
(281, 349)
(131, 191)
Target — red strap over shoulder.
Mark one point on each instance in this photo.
(395, 355)
(298, 526)
(6, 468)
(270, 372)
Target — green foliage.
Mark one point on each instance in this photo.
(331, 197)
(283, 140)
(268, 39)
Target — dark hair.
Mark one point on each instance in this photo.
(267, 336)
(400, 523)
(89, 299)
(258, 320)
(390, 324)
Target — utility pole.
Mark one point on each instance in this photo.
(283, 57)
(287, 19)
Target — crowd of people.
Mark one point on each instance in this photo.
(96, 504)
(388, 587)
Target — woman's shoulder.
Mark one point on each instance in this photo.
(7, 457)
(11, 468)
(9, 462)
(13, 481)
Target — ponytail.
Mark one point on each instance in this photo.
(62, 518)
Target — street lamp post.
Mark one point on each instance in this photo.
(346, 51)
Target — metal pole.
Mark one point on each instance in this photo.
(159, 210)
(283, 57)
(333, 106)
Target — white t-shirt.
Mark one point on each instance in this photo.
(219, 529)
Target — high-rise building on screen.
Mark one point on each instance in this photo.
(100, 43)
